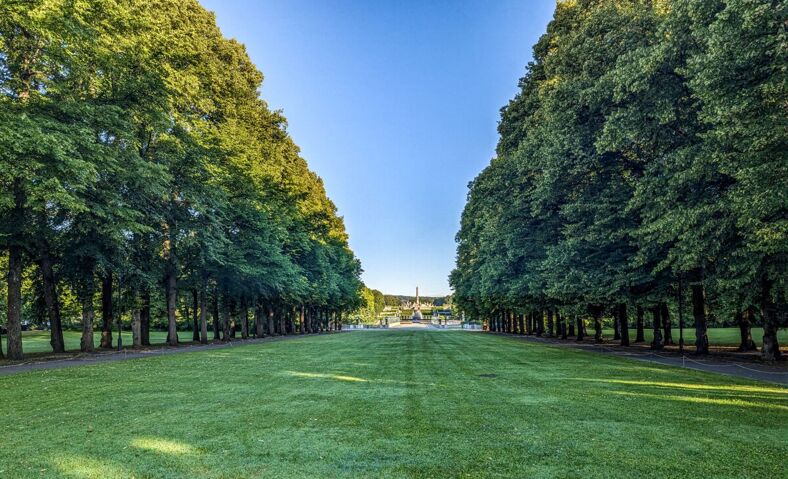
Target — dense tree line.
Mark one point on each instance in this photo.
(640, 168)
(139, 167)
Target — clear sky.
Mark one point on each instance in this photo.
(395, 105)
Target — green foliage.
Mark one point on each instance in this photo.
(646, 146)
(133, 143)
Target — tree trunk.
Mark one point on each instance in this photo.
(699, 312)
(244, 319)
(225, 318)
(195, 315)
(171, 293)
(14, 305)
(106, 311)
(302, 320)
(215, 313)
(744, 320)
(52, 302)
(271, 331)
(136, 337)
(623, 323)
(616, 327)
(657, 342)
(562, 322)
(596, 314)
(549, 322)
(580, 329)
(640, 336)
(667, 337)
(145, 318)
(571, 328)
(258, 320)
(521, 321)
(86, 341)
(539, 322)
(769, 311)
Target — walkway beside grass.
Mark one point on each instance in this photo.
(742, 366)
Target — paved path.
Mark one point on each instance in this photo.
(775, 373)
(81, 359)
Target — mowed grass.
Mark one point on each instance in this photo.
(717, 336)
(390, 404)
(38, 341)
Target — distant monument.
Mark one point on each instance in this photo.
(417, 317)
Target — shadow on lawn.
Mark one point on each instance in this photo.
(763, 397)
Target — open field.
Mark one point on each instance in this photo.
(38, 341)
(390, 404)
(717, 336)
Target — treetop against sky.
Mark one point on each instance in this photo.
(395, 105)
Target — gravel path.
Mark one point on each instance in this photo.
(775, 373)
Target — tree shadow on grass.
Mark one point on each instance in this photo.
(734, 395)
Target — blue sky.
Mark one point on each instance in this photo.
(395, 105)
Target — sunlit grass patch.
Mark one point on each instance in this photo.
(390, 404)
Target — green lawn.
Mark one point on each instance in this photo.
(38, 341)
(717, 336)
(390, 404)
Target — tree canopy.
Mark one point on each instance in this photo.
(136, 156)
(645, 153)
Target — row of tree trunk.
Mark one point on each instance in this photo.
(228, 314)
(550, 323)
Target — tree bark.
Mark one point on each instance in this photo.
(52, 302)
(258, 320)
(195, 315)
(744, 321)
(302, 320)
(623, 323)
(244, 319)
(549, 322)
(769, 311)
(14, 305)
(667, 337)
(106, 311)
(270, 317)
(699, 312)
(571, 327)
(136, 338)
(215, 314)
(657, 342)
(145, 318)
(171, 293)
(580, 329)
(203, 316)
(640, 336)
(596, 314)
(562, 322)
(521, 321)
(616, 327)
(225, 318)
(539, 322)
(86, 341)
